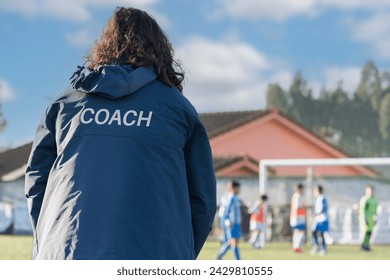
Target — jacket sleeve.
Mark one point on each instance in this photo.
(42, 157)
(201, 185)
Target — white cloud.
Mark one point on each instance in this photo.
(70, 10)
(375, 31)
(355, 4)
(80, 11)
(81, 38)
(6, 92)
(225, 75)
(329, 79)
(278, 10)
(234, 58)
(231, 76)
(282, 77)
(350, 76)
(163, 21)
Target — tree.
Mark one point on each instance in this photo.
(370, 86)
(359, 124)
(384, 117)
(277, 98)
(385, 81)
(301, 99)
(2, 119)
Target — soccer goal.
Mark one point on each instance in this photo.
(310, 164)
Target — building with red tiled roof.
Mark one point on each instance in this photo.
(13, 162)
(258, 135)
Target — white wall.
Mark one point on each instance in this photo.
(13, 193)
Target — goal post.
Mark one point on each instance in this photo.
(310, 163)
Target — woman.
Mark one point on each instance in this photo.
(121, 166)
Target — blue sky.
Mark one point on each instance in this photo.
(230, 49)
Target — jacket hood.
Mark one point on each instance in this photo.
(112, 81)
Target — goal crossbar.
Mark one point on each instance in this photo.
(265, 163)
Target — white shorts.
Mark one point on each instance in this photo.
(253, 225)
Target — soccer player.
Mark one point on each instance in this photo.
(232, 222)
(257, 221)
(367, 216)
(298, 218)
(321, 222)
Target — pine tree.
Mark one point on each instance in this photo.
(2, 119)
(384, 117)
(277, 98)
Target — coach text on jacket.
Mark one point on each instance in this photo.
(105, 117)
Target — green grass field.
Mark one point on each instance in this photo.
(15, 247)
(19, 248)
(283, 251)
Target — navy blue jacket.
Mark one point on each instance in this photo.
(121, 168)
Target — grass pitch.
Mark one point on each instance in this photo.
(19, 248)
(14, 247)
(283, 251)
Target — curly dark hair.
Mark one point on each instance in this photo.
(133, 36)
